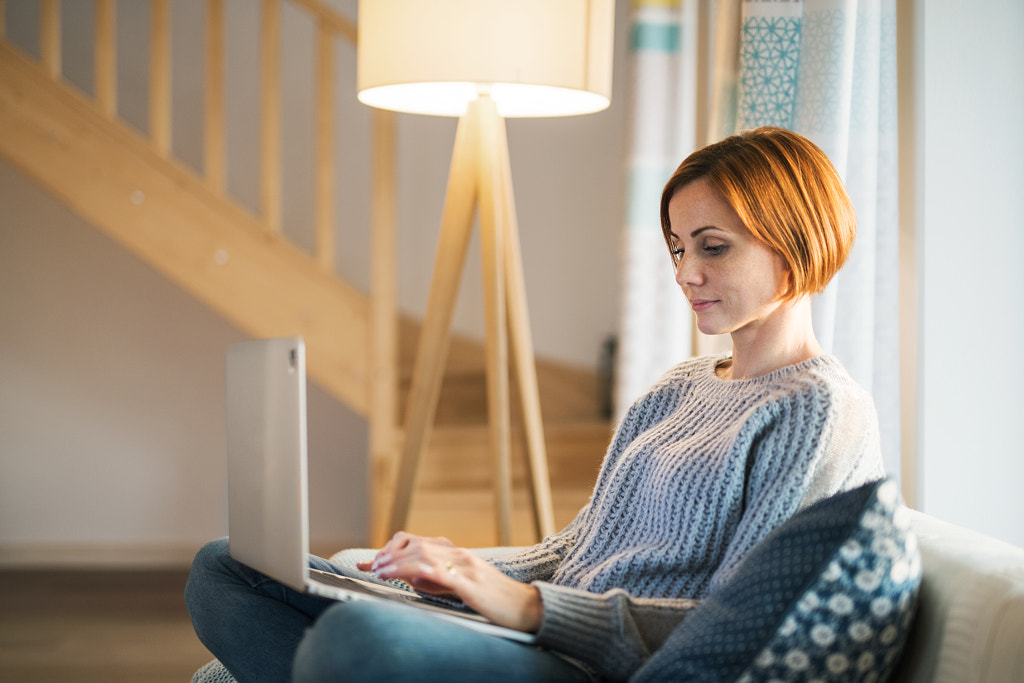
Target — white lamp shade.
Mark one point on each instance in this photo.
(533, 57)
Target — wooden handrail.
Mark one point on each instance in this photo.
(330, 19)
(329, 26)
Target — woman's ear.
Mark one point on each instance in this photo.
(786, 291)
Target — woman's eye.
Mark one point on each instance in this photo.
(714, 249)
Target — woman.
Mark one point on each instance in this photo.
(719, 452)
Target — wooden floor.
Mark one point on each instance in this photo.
(92, 626)
(121, 625)
(131, 626)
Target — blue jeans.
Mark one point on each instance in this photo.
(264, 631)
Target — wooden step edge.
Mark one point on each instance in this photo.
(458, 457)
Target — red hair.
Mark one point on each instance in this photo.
(787, 194)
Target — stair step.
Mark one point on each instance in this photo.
(468, 518)
(568, 394)
(458, 457)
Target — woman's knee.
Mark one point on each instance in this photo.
(210, 558)
(373, 641)
(349, 642)
(208, 562)
(212, 554)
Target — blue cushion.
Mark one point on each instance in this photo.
(828, 595)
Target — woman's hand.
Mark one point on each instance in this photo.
(436, 566)
(398, 543)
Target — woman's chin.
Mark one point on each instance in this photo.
(710, 327)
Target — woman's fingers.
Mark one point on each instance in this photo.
(397, 542)
(401, 544)
(420, 575)
(441, 569)
(441, 540)
(428, 566)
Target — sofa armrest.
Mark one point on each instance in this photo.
(971, 607)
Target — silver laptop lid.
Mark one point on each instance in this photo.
(268, 522)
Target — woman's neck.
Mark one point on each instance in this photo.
(783, 338)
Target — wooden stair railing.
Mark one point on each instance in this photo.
(184, 225)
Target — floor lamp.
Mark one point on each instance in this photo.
(482, 61)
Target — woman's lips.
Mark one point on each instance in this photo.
(701, 304)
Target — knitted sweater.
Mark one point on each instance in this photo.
(698, 472)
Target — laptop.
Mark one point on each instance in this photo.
(268, 517)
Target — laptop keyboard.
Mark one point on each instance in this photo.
(348, 583)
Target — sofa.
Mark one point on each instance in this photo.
(955, 603)
(969, 625)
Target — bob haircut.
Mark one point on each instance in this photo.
(787, 194)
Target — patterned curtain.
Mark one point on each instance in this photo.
(655, 328)
(827, 70)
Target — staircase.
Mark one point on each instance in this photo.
(242, 264)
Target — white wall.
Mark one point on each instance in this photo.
(971, 245)
(111, 403)
(111, 397)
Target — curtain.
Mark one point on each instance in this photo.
(655, 327)
(827, 70)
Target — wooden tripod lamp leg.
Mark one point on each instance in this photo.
(480, 174)
(384, 323)
(432, 351)
(492, 240)
(522, 350)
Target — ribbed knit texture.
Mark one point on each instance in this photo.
(698, 472)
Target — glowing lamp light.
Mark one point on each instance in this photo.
(532, 57)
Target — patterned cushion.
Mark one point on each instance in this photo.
(829, 595)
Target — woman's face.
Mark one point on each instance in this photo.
(733, 281)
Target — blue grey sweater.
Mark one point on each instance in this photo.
(698, 472)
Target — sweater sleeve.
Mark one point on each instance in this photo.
(613, 633)
(539, 562)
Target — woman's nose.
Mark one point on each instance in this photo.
(688, 272)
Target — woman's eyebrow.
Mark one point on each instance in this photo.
(692, 234)
(701, 229)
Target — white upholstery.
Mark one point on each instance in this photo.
(970, 622)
